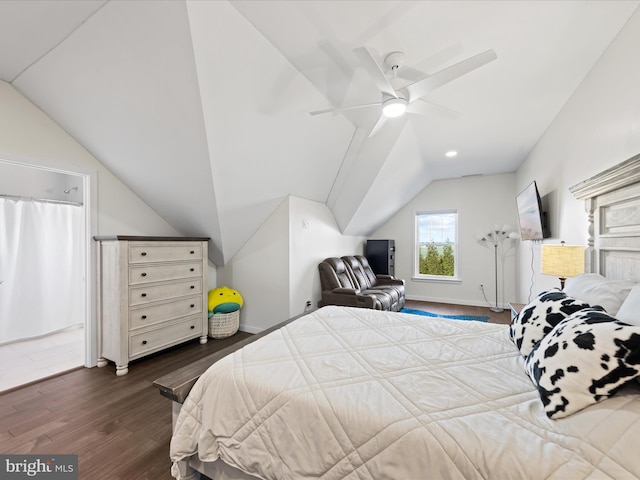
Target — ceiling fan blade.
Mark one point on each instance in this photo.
(374, 69)
(336, 54)
(429, 64)
(339, 109)
(410, 75)
(376, 128)
(424, 107)
(422, 87)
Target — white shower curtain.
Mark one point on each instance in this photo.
(41, 268)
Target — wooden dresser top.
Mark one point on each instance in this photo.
(149, 239)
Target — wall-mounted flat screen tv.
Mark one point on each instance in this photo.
(533, 224)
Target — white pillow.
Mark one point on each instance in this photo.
(594, 289)
(629, 311)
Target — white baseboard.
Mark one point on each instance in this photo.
(250, 329)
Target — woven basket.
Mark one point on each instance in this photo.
(222, 325)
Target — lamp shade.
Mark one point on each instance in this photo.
(562, 261)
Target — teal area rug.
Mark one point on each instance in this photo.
(477, 318)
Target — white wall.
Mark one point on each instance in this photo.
(21, 181)
(260, 272)
(598, 128)
(29, 137)
(276, 271)
(313, 236)
(481, 201)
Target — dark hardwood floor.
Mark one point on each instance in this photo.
(119, 427)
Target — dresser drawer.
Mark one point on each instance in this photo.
(153, 293)
(164, 253)
(157, 313)
(142, 343)
(158, 273)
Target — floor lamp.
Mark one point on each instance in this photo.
(494, 238)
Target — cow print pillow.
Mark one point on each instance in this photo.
(539, 317)
(586, 358)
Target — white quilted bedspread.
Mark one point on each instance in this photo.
(347, 393)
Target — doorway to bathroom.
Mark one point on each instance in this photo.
(44, 274)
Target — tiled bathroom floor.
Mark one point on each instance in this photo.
(29, 360)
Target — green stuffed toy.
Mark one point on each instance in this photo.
(224, 300)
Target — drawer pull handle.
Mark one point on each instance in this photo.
(192, 252)
(143, 295)
(192, 269)
(192, 287)
(143, 274)
(144, 342)
(144, 317)
(192, 305)
(192, 327)
(144, 254)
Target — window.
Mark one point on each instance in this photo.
(436, 245)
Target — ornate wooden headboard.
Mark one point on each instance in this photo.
(612, 201)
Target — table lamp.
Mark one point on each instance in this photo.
(562, 261)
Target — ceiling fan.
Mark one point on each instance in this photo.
(398, 100)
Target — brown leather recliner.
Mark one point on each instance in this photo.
(342, 286)
(366, 279)
(384, 282)
(339, 288)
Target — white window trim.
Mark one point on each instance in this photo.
(416, 257)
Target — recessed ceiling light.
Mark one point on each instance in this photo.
(451, 153)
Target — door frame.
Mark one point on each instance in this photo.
(88, 177)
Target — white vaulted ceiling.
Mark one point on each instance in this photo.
(202, 107)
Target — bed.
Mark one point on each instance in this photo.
(353, 393)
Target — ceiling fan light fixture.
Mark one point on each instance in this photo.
(394, 107)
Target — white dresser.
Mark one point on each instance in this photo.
(152, 295)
